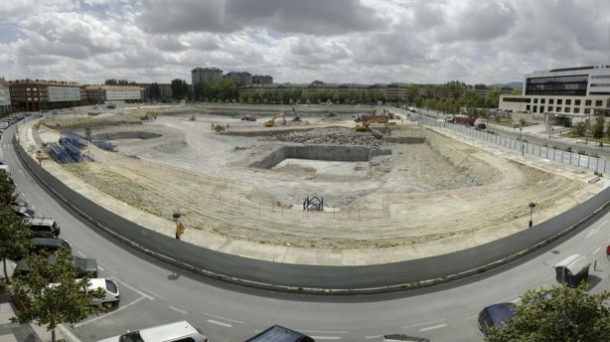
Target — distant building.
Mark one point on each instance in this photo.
(206, 76)
(240, 78)
(99, 94)
(164, 88)
(36, 95)
(563, 94)
(5, 96)
(262, 79)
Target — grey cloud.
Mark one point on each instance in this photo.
(168, 43)
(319, 17)
(481, 21)
(427, 15)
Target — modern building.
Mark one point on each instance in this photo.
(563, 95)
(240, 78)
(165, 90)
(36, 95)
(206, 76)
(100, 94)
(262, 79)
(5, 96)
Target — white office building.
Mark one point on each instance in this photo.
(565, 95)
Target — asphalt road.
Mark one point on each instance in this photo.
(153, 293)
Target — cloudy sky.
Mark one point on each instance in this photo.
(298, 41)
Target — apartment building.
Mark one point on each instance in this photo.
(565, 94)
(165, 90)
(262, 79)
(36, 95)
(242, 78)
(206, 76)
(100, 94)
(5, 96)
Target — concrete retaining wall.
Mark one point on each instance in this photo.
(320, 152)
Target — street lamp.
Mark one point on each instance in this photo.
(532, 205)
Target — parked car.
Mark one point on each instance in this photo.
(25, 212)
(278, 333)
(109, 288)
(50, 245)
(43, 227)
(402, 338)
(85, 266)
(178, 331)
(495, 315)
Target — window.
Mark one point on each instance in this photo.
(598, 103)
(567, 109)
(587, 102)
(551, 101)
(558, 109)
(576, 110)
(536, 100)
(535, 109)
(542, 101)
(559, 101)
(568, 102)
(527, 108)
(587, 110)
(577, 102)
(550, 109)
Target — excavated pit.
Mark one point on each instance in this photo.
(126, 135)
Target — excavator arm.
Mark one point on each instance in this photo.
(271, 122)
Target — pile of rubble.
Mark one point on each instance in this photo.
(332, 136)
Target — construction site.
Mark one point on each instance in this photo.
(310, 180)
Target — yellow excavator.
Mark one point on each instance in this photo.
(220, 128)
(271, 122)
(383, 119)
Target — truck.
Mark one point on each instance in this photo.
(461, 120)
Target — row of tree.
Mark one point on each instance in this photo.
(598, 129)
(64, 301)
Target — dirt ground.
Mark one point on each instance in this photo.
(437, 191)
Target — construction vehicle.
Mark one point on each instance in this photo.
(271, 122)
(248, 117)
(220, 128)
(111, 106)
(296, 118)
(383, 119)
(461, 120)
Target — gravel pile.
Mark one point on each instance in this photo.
(332, 136)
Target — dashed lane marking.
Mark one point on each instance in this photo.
(178, 310)
(326, 337)
(219, 323)
(224, 318)
(422, 324)
(433, 327)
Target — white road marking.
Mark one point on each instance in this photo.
(220, 323)
(433, 327)
(178, 310)
(593, 231)
(107, 314)
(322, 331)
(153, 293)
(226, 319)
(133, 288)
(81, 254)
(424, 323)
(596, 250)
(100, 268)
(105, 267)
(372, 337)
(326, 337)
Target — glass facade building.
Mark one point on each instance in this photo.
(574, 85)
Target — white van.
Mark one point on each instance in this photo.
(109, 287)
(177, 331)
(572, 270)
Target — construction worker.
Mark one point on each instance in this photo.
(179, 230)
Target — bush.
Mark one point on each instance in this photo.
(569, 149)
(582, 152)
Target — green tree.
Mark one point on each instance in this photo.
(516, 92)
(598, 127)
(608, 129)
(227, 89)
(14, 237)
(154, 92)
(63, 301)
(564, 314)
(7, 188)
(579, 129)
(493, 98)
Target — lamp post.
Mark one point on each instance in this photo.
(532, 205)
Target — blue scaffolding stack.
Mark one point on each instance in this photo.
(74, 139)
(104, 145)
(58, 153)
(72, 151)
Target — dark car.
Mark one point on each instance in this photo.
(85, 267)
(402, 338)
(278, 333)
(50, 245)
(22, 211)
(495, 315)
